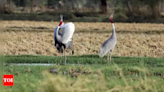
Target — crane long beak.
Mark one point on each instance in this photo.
(61, 17)
(111, 16)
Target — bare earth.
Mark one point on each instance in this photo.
(134, 39)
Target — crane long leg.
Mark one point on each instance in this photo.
(60, 57)
(65, 56)
(71, 46)
(108, 58)
(110, 55)
(72, 50)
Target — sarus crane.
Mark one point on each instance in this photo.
(63, 37)
(108, 46)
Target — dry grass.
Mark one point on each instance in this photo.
(130, 43)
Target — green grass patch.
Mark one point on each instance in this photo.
(84, 59)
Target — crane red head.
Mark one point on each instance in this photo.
(111, 19)
(61, 20)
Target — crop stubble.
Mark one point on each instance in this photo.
(133, 42)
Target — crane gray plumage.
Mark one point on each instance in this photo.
(63, 39)
(108, 46)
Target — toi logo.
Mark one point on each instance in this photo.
(8, 80)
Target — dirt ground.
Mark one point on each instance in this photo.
(133, 39)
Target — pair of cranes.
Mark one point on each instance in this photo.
(63, 39)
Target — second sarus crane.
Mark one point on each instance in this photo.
(63, 37)
(108, 46)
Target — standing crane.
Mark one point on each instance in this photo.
(63, 37)
(108, 46)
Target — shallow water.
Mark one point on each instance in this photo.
(36, 64)
(28, 64)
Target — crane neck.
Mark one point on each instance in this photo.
(58, 37)
(113, 32)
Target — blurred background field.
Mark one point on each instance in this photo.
(27, 22)
(138, 58)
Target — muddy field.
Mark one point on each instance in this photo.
(29, 37)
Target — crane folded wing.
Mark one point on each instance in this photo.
(68, 30)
